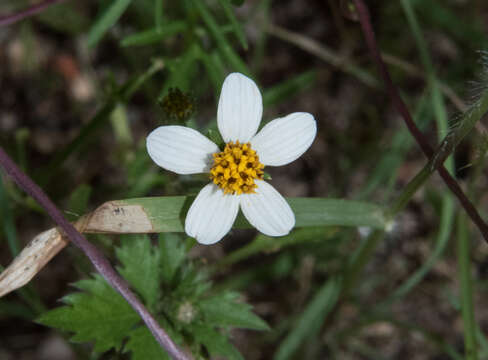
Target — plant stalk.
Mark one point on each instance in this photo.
(101, 264)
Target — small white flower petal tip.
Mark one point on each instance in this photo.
(240, 108)
(180, 149)
(211, 215)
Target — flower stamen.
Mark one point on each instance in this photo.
(236, 168)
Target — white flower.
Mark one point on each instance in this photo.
(236, 172)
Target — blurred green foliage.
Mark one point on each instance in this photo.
(330, 284)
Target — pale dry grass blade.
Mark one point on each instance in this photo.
(107, 218)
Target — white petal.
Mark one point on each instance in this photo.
(180, 149)
(267, 210)
(240, 108)
(211, 215)
(284, 140)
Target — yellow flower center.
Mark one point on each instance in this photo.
(236, 168)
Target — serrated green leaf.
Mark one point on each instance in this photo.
(225, 310)
(140, 267)
(107, 20)
(172, 255)
(215, 343)
(143, 346)
(97, 314)
(192, 283)
(154, 35)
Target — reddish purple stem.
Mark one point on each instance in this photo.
(364, 19)
(10, 19)
(96, 257)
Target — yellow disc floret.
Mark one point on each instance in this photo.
(236, 168)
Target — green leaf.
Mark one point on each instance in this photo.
(237, 2)
(172, 255)
(439, 16)
(120, 125)
(65, 17)
(140, 267)
(263, 243)
(225, 310)
(236, 26)
(215, 69)
(78, 201)
(286, 89)
(154, 35)
(232, 57)
(192, 283)
(97, 314)
(107, 20)
(158, 13)
(140, 180)
(311, 320)
(7, 220)
(143, 345)
(216, 343)
(89, 131)
(466, 287)
(167, 214)
(216, 138)
(182, 70)
(15, 310)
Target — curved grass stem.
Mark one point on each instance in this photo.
(364, 18)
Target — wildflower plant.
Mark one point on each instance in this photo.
(237, 170)
(174, 288)
(323, 277)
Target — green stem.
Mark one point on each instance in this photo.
(469, 119)
(8, 222)
(28, 294)
(408, 192)
(359, 259)
(158, 14)
(445, 226)
(467, 306)
(214, 30)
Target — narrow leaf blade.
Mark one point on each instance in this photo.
(311, 320)
(106, 21)
(236, 26)
(153, 36)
